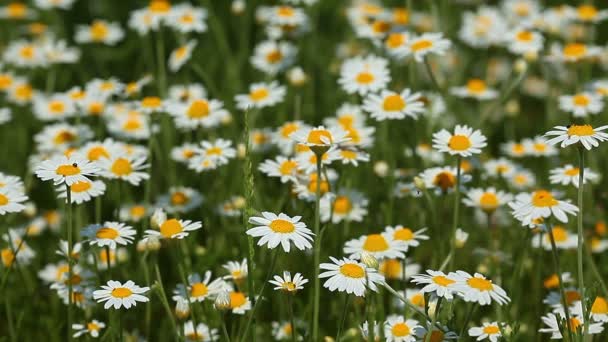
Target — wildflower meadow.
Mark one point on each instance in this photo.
(303, 170)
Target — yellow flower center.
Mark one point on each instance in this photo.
(97, 152)
(259, 94)
(16, 10)
(312, 185)
(381, 26)
(187, 18)
(285, 11)
(287, 167)
(551, 282)
(68, 170)
(214, 151)
(282, 226)
(375, 243)
(422, 44)
(315, 135)
(400, 330)
(580, 130)
(403, 234)
(151, 102)
(393, 103)
(488, 201)
(56, 107)
(138, 211)
(518, 148)
(132, 124)
(600, 306)
(444, 180)
(395, 40)
(572, 172)
(491, 330)
(198, 290)
(524, 36)
(543, 198)
(5, 81)
(559, 234)
(179, 198)
(170, 228)
(418, 300)
(237, 299)
(480, 284)
(274, 57)
(459, 143)
(436, 336)
(122, 167)
(92, 326)
(365, 77)
(443, 281)
(159, 6)
(586, 12)
(180, 53)
(99, 30)
(575, 50)
(348, 154)
(476, 86)
(581, 100)
(574, 324)
(7, 257)
(391, 268)
(80, 186)
(342, 205)
(572, 296)
(27, 52)
(352, 271)
(63, 137)
(288, 128)
(24, 92)
(107, 233)
(3, 200)
(121, 292)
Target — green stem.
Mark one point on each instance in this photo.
(371, 322)
(467, 320)
(224, 330)
(317, 253)
(456, 212)
(429, 333)
(559, 277)
(581, 241)
(70, 261)
(160, 61)
(294, 337)
(164, 301)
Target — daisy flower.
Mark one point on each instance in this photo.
(393, 268)
(123, 166)
(180, 199)
(588, 13)
(406, 236)
(539, 147)
(183, 153)
(522, 179)
(197, 112)
(320, 136)
(132, 212)
(396, 44)
(186, 18)
(463, 142)
(239, 302)
(151, 104)
(380, 246)
(573, 52)
(199, 288)
(181, 55)
(437, 335)
(187, 92)
(437, 283)
(171, 228)
(61, 137)
(570, 175)
(350, 276)
(476, 89)
(554, 326)
(100, 31)
(482, 28)
(346, 205)
(398, 329)
(271, 56)
(261, 95)
(514, 149)
(442, 178)
(282, 331)
(284, 168)
(428, 43)
(490, 331)
(69, 170)
(562, 237)
(478, 289)
(581, 104)
(585, 134)
(523, 41)
(391, 105)
(202, 333)
(117, 295)
(487, 200)
(287, 283)
(219, 151)
(83, 191)
(54, 107)
(540, 204)
(91, 328)
(500, 167)
(109, 234)
(599, 310)
(364, 75)
(11, 200)
(352, 156)
(280, 229)
(307, 161)
(282, 136)
(238, 270)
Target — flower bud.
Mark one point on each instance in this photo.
(381, 168)
(222, 301)
(182, 309)
(419, 183)
(369, 260)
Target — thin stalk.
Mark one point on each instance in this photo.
(456, 212)
(429, 333)
(291, 317)
(160, 63)
(317, 253)
(404, 276)
(559, 277)
(224, 330)
(164, 301)
(429, 70)
(581, 241)
(596, 272)
(467, 320)
(408, 303)
(371, 322)
(69, 256)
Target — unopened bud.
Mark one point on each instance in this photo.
(419, 183)
(369, 260)
(182, 309)
(381, 168)
(222, 301)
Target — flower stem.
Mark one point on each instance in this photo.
(317, 254)
(69, 256)
(224, 330)
(371, 322)
(559, 277)
(581, 241)
(429, 333)
(456, 212)
(291, 318)
(164, 301)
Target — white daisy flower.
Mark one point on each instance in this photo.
(553, 327)
(514, 149)
(476, 89)
(406, 236)
(280, 229)
(437, 283)
(490, 331)
(588, 13)
(100, 31)
(570, 175)
(380, 246)
(83, 191)
(522, 179)
(562, 237)
(500, 167)
(11, 200)
(350, 276)
(483, 28)
(61, 137)
(282, 136)
(391, 105)
(109, 234)
(239, 303)
(396, 44)
(437, 335)
(185, 18)
(261, 95)
(117, 295)
(284, 168)
(487, 200)
(581, 104)
(202, 333)
(463, 142)
(238, 270)
(183, 153)
(442, 178)
(197, 112)
(320, 136)
(346, 205)
(573, 52)
(271, 56)
(572, 134)
(69, 170)
(428, 43)
(478, 289)
(180, 200)
(199, 288)
(599, 310)
(523, 41)
(528, 207)
(171, 228)
(539, 147)
(187, 92)
(288, 283)
(91, 328)
(398, 329)
(364, 75)
(219, 151)
(181, 55)
(54, 107)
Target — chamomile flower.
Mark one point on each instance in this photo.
(482, 28)
(151, 104)
(463, 142)
(395, 44)
(239, 303)
(199, 288)
(599, 310)
(55, 107)
(183, 153)
(398, 329)
(436, 283)
(490, 331)
(202, 333)
(350, 276)
(364, 75)
(573, 52)
(83, 191)
(187, 92)
(570, 175)
(476, 89)
(588, 13)
(393, 268)
(284, 168)
(123, 166)
(261, 95)
(69, 170)
(100, 31)
(132, 212)
(109, 234)
(287, 283)
(117, 295)
(442, 178)
(172, 228)
(186, 18)
(522, 179)
(487, 200)
(197, 112)
(180, 200)
(478, 289)
(181, 55)
(24, 54)
(554, 327)
(540, 204)
(320, 136)
(60, 137)
(280, 229)
(524, 41)
(539, 147)
(91, 328)
(581, 104)
(391, 105)
(562, 237)
(21, 92)
(271, 56)
(346, 205)
(282, 136)
(307, 160)
(11, 200)
(237, 270)
(380, 246)
(406, 235)
(500, 167)
(585, 134)
(427, 44)
(219, 151)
